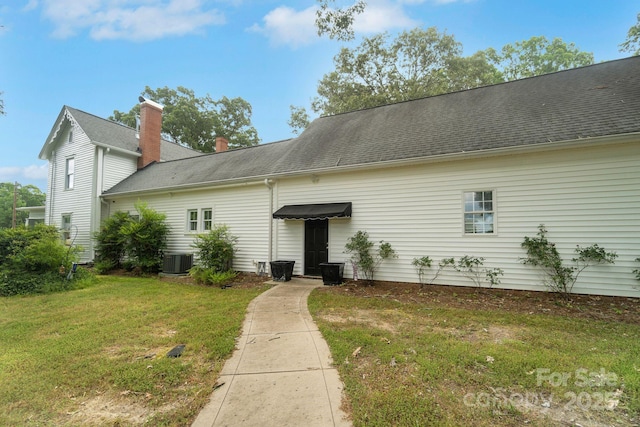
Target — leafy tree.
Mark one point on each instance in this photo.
(299, 119)
(632, 44)
(27, 195)
(418, 63)
(337, 23)
(195, 122)
(538, 56)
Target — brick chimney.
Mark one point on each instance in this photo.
(221, 144)
(150, 132)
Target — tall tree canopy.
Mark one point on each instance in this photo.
(425, 62)
(195, 122)
(337, 23)
(632, 44)
(416, 64)
(299, 119)
(27, 195)
(538, 56)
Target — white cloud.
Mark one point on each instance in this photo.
(380, 16)
(36, 171)
(138, 20)
(31, 5)
(20, 173)
(285, 25)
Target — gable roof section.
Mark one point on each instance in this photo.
(574, 105)
(110, 134)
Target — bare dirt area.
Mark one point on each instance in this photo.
(241, 281)
(536, 410)
(619, 309)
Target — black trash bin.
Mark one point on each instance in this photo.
(332, 272)
(281, 271)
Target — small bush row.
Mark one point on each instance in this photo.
(558, 277)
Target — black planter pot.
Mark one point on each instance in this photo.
(332, 272)
(281, 271)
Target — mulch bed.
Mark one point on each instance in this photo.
(619, 309)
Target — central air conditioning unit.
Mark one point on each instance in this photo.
(177, 264)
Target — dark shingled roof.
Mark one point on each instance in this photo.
(594, 101)
(116, 135)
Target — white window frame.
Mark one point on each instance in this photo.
(192, 220)
(69, 173)
(207, 223)
(479, 213)
(65, 227)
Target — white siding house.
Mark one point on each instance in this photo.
(468, 173)
(88, 155)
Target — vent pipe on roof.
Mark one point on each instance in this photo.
(150, 132)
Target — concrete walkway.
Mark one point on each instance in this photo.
(281, 374)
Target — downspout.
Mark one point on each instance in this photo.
(269, 184)
(52, 183)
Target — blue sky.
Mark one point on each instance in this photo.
(98, 55)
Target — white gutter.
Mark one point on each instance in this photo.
(269, 184)
(52, 190)
(463, 155)
(116, 149)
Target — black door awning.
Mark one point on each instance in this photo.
(319, 211)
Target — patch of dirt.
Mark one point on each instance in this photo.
(365, 317)
(241, 281)
(126, 409)
(617, 309)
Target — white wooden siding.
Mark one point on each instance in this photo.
(77, 201)
(117, 167)
(585, 196)
(244, 209)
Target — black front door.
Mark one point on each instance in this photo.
(316, 240)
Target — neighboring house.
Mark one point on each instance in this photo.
(467, 173)
(36, 215)
(88, 155)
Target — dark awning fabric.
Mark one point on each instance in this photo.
(320, 211)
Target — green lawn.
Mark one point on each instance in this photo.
(417, 364)
(97, 355)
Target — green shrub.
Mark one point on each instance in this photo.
(421, 265)
(215, 249)
(359, 246)
(208, 276)
(38, 249)
(135, 243)
(472, 268)
(146, 239)
(111, 243)
(558, 277)
(28, 282)
(34, 260)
